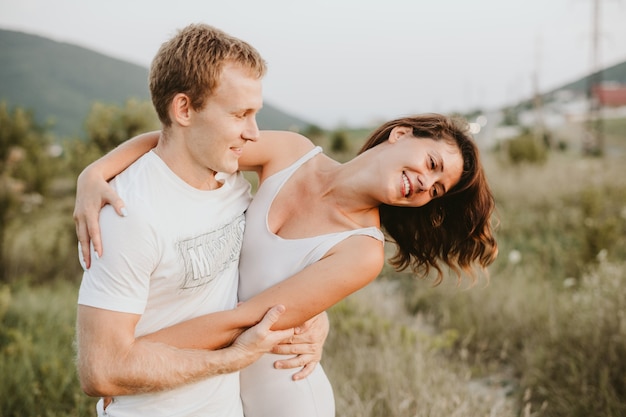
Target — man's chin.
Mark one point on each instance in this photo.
(230, 169)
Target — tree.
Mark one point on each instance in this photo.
(339, 142)
(109, 125)
(26, 167)
(527, 149)
(314, 132)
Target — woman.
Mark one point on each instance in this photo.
(313, 235)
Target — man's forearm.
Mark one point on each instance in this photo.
(112, 362)
(151, 367)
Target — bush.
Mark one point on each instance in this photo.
(526, 148)
(580, 369)
(42, 245)
(339, 142)
(602, 225)
(37, 355)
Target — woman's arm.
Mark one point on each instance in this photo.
(124, 155)
(305, 294)
(273, 151)
(93, 190)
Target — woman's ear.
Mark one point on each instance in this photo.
(181, 109)
(398, 132)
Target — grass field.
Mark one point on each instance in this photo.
(546, 336)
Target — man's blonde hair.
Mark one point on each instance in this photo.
(191, 63)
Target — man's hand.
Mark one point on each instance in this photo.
(111, 361)
(92, 193)
(308, 343)
(260, 339)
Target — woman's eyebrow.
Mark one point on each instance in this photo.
(439, 159)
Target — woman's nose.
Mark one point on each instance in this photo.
(425, 182)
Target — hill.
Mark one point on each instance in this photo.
(615, 73)
(60, 81)
(612, 74)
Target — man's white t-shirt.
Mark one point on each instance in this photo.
(174, 257)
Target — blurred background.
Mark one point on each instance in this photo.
(542, 86)
(355, 62)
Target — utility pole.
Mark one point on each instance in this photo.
(594, 81)
(539, 130)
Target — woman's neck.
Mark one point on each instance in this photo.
(345, 186)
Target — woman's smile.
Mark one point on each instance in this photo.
(406, 185)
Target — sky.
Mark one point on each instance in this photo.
(356, 62)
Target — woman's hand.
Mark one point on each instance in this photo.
(92, 193)
(307, 343)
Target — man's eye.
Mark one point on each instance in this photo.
(432, 163)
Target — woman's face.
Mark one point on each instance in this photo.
(422, 168)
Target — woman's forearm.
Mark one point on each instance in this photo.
(210, 331)
(304, 295)
(124, 155)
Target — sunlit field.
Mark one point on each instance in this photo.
(543, 335)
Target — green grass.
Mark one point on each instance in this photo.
(383, 363)
(545, 337)
(37, 355)
(553, 312)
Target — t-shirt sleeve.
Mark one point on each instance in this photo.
(120, 279)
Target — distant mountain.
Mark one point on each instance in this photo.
(613, 74)
(59, 82)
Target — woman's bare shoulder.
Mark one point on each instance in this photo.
(273, 151)
(368, 250)
(290, 143)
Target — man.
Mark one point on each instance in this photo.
(175, 255)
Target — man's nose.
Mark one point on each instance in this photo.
(251, 132)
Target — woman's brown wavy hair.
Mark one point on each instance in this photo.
(454, 229)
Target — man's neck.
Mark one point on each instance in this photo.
(183, 165)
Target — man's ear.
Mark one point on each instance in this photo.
(181, 109)
(398, 132)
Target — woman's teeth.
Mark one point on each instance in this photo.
(407, 185)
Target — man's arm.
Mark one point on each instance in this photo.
(112, 362)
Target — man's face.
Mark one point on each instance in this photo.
(219, 131)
